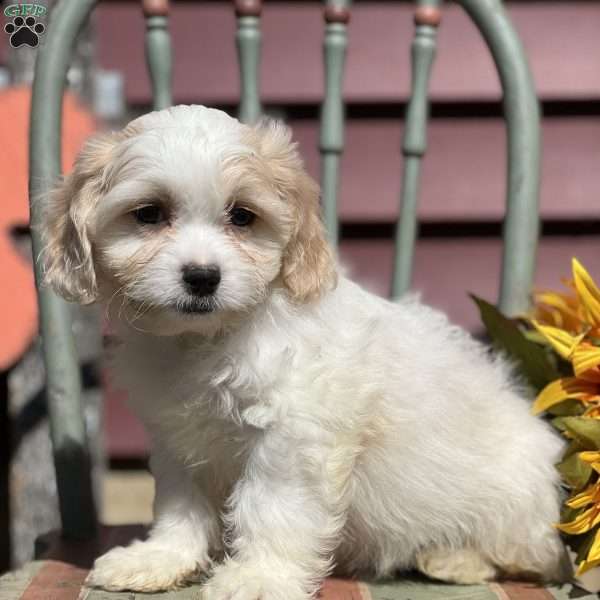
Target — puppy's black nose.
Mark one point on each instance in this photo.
(201, 280)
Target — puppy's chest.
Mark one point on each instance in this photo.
(208, 443)
(205, 407)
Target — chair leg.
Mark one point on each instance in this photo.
(5, 545)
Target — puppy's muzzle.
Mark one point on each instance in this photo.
(201, 280)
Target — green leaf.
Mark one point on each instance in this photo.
(575, 472)
(584, 429)
(573, 447)
(563, 367)
(558, 423)
(568, 514)
(531, 358)
(567, 408)
(533, 335)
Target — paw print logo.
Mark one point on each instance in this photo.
(24, 32)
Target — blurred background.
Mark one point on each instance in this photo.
(461, 200)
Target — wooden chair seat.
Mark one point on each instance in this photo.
(62, 567)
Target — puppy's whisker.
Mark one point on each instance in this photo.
(148, 306)
(139, 312)
(133, 325)
(125, 301)
(111, 300)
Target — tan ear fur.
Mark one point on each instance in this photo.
(67, 254)
(308, 268)
(308, 265)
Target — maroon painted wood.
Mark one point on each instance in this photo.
(447, 269)
(205, 67)
(125, 437)
(457, 182)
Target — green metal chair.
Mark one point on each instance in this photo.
(71, 453)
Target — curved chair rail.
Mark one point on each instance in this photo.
(522, 114)
(67, 427)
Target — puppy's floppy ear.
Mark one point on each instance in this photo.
(308, 267)
(67, 253)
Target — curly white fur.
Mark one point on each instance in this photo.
(301, 424)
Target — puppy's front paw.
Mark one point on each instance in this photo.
(253, 581)
(142, 567)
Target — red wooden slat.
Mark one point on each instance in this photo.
(513, 590)
(446, 270)
(56, 581)
(125, 437)
(463, 175)
(560, 38)
(343, 589)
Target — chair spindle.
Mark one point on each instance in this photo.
(247, 39)
(331, 143)
(158, 51)
(414, 143)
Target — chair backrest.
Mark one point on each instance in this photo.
(521, 218)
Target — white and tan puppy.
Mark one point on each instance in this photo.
(298, 422)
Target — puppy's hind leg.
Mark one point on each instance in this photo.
(464, 566)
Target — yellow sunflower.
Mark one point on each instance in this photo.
(570, 323)
(589, 501)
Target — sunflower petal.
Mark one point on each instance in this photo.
(594, 552)
(582, 499)
(585, 521)
(592, 555)
(585, 358)
(581, 523)
(586, 565)
(562, 389)
(590, 456)
(592, 376)
(563, 342)
(563, 308)
(588, 292)
(555, 299)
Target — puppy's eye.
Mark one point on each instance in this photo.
(241, 217)
(152, 214)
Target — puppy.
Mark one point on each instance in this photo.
(298, 422)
